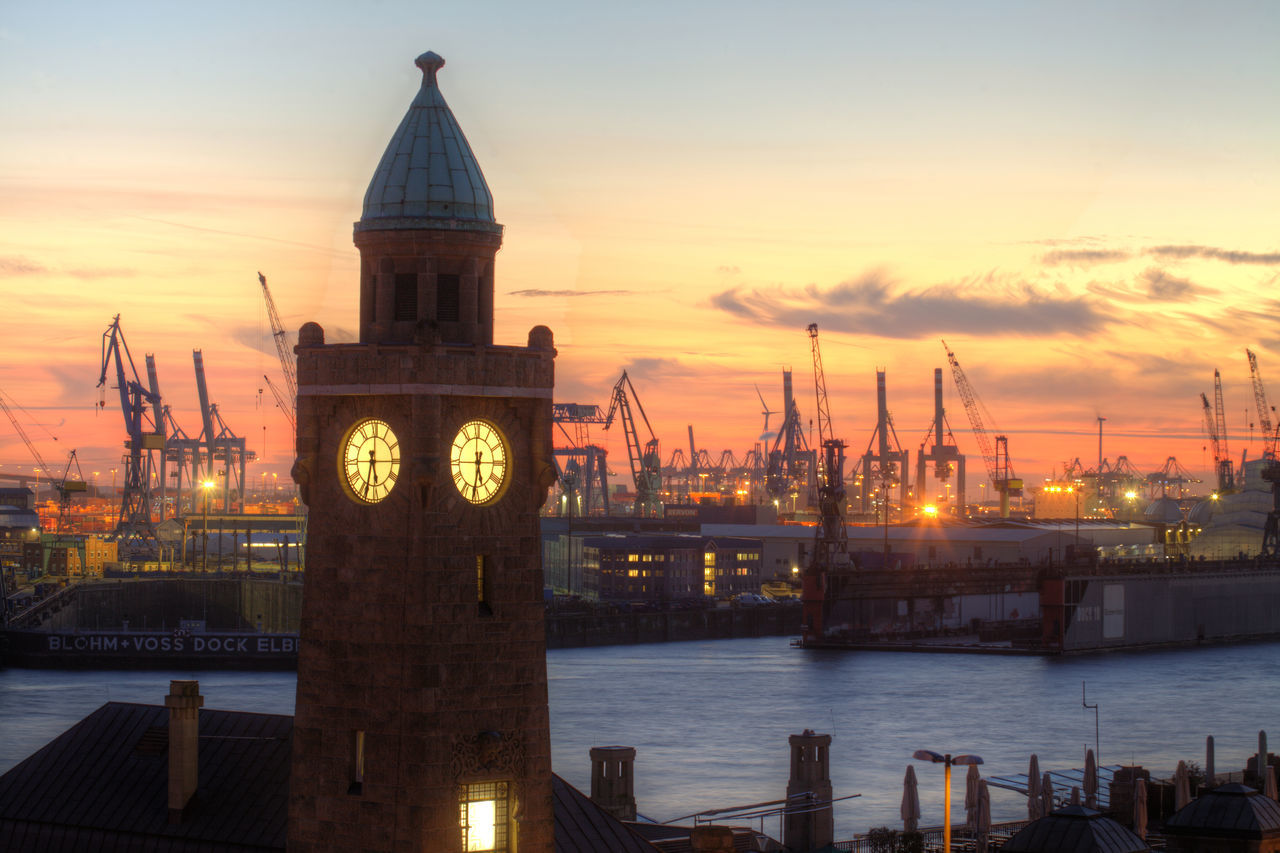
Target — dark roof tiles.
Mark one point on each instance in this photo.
(1233, 810)
(1074, 829)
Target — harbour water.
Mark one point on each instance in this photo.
(710, 720)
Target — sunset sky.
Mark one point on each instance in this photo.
(1083, 199)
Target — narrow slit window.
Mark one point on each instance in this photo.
(448, 298)
(357, 762)
(482, 587)
(406, 296)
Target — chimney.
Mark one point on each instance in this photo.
(184, 701)
(711, 839)
(613, 781)
(809, 822)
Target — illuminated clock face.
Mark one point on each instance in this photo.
(478, 462)
(370, 460)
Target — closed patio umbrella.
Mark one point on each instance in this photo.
(1075, 796)
(1090, 780)
(971, 780)
(1046, 794)
(1208, 762)
(1181, 786)
(910, 810)
(983, 828)
(1033, 788)
(1140, 808)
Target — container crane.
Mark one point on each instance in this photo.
(646, 462)
(221, 444)
(790, 462)
(135, 527)
(999, 469)
(946, 457)
(64, 485)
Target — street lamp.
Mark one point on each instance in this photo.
(946, 760)
(204, 527)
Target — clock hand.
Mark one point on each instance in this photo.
(475, 489)
(373, 468)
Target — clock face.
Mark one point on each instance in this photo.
(478, 462)
(370, 460)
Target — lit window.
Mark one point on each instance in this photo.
(483, 817)
(633, 573)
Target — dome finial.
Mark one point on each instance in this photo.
(430, 62)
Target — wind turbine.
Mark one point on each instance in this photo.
(766, 435)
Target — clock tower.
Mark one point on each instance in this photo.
(424, 455)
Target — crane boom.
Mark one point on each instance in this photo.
(285, 405)
(282, 341)
(999, 468)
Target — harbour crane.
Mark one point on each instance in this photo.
(999, 469)
(135, 528)
(65, 486)
(645, 459)
(581, 467)
(1270, 466)
(831, 542)
(1264, 411)
(287, 397)
(1215, 426)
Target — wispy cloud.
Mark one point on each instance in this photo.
(1160, 285)
(16, 266)
(535, 293)
(1084, 257)
(648, 367)
(871, 305)
(20, 266)
(1231, 256)
(102, 272)
(729, 269)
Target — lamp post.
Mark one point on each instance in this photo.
(204, 527)
(946, 760)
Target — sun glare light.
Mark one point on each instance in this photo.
(481, 819)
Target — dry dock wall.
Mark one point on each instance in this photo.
(224, 604)
(1126, 611)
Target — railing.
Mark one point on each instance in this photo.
(963, 840)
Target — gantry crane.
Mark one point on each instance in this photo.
(287, 398)
(999, 469)
(64, 485)
(646, 461)
(581, 467)
(135, 528)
